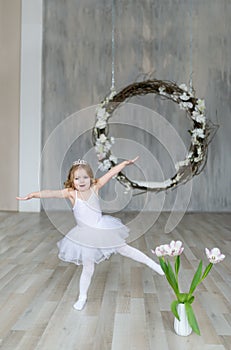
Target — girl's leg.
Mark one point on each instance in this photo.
(84, 283)
(137, 255)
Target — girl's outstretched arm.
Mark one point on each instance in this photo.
(65, 193)
(113, 171)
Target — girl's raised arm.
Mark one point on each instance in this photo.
(65, 193)
(114, 171)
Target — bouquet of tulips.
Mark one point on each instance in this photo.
(175, 249)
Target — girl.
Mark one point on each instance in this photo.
(96, 236)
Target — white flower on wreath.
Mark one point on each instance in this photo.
(113, 159)
(200, 155)
(102, 113)
(177, 178)
(112, 94)
(200, 118)
(184, 97)
(185, 105)
(198, 158)
(105, 165)
(102, 139)
(199, 150)
(198, 133)
(190, 155)
(109, 97)
(200, 106)
(101, 124)
(195, 134)
(195, 141)
(175, 97)
(183, 87)
(107, 146)
(162, 90)
(100, 144)
(99, 147)
(101, 155)
(187, 92)
(178, 165)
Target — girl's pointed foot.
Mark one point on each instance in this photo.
(157, 268)
(80, 303)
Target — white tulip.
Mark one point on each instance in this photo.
(214, 255)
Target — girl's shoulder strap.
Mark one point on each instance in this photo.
(75, 200)
(94, 189)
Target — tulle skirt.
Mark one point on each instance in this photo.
(95, 243)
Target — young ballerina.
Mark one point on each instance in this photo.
(96, 236)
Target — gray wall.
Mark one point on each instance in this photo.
(10, 41)
(151, 37)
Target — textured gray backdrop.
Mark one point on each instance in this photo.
(152, 36)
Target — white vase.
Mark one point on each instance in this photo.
(182, 327)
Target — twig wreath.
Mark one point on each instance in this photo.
(201, 133)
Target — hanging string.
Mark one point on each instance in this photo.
(113, 45)
(191, 45)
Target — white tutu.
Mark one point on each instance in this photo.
(95, 237)
(77, 254)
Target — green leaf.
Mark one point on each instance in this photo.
(191, 318)
(163, 264)
(172, 285)
(172, 277)
(183, 297)
(196, 278)
(166, 267)
(177, 264)
(208, 268)
(190, 299)
(174, 305)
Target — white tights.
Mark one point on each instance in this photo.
(137, 255)
(88, 270)
(84, 283)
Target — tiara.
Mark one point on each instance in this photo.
(79, 162)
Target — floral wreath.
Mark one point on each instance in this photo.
(201, 133)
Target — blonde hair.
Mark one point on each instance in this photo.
(69, 183)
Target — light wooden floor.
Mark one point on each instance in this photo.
(129, 305)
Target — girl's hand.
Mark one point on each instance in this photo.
(131, 161)
(29, 196)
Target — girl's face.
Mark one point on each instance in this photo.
(82, 180)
